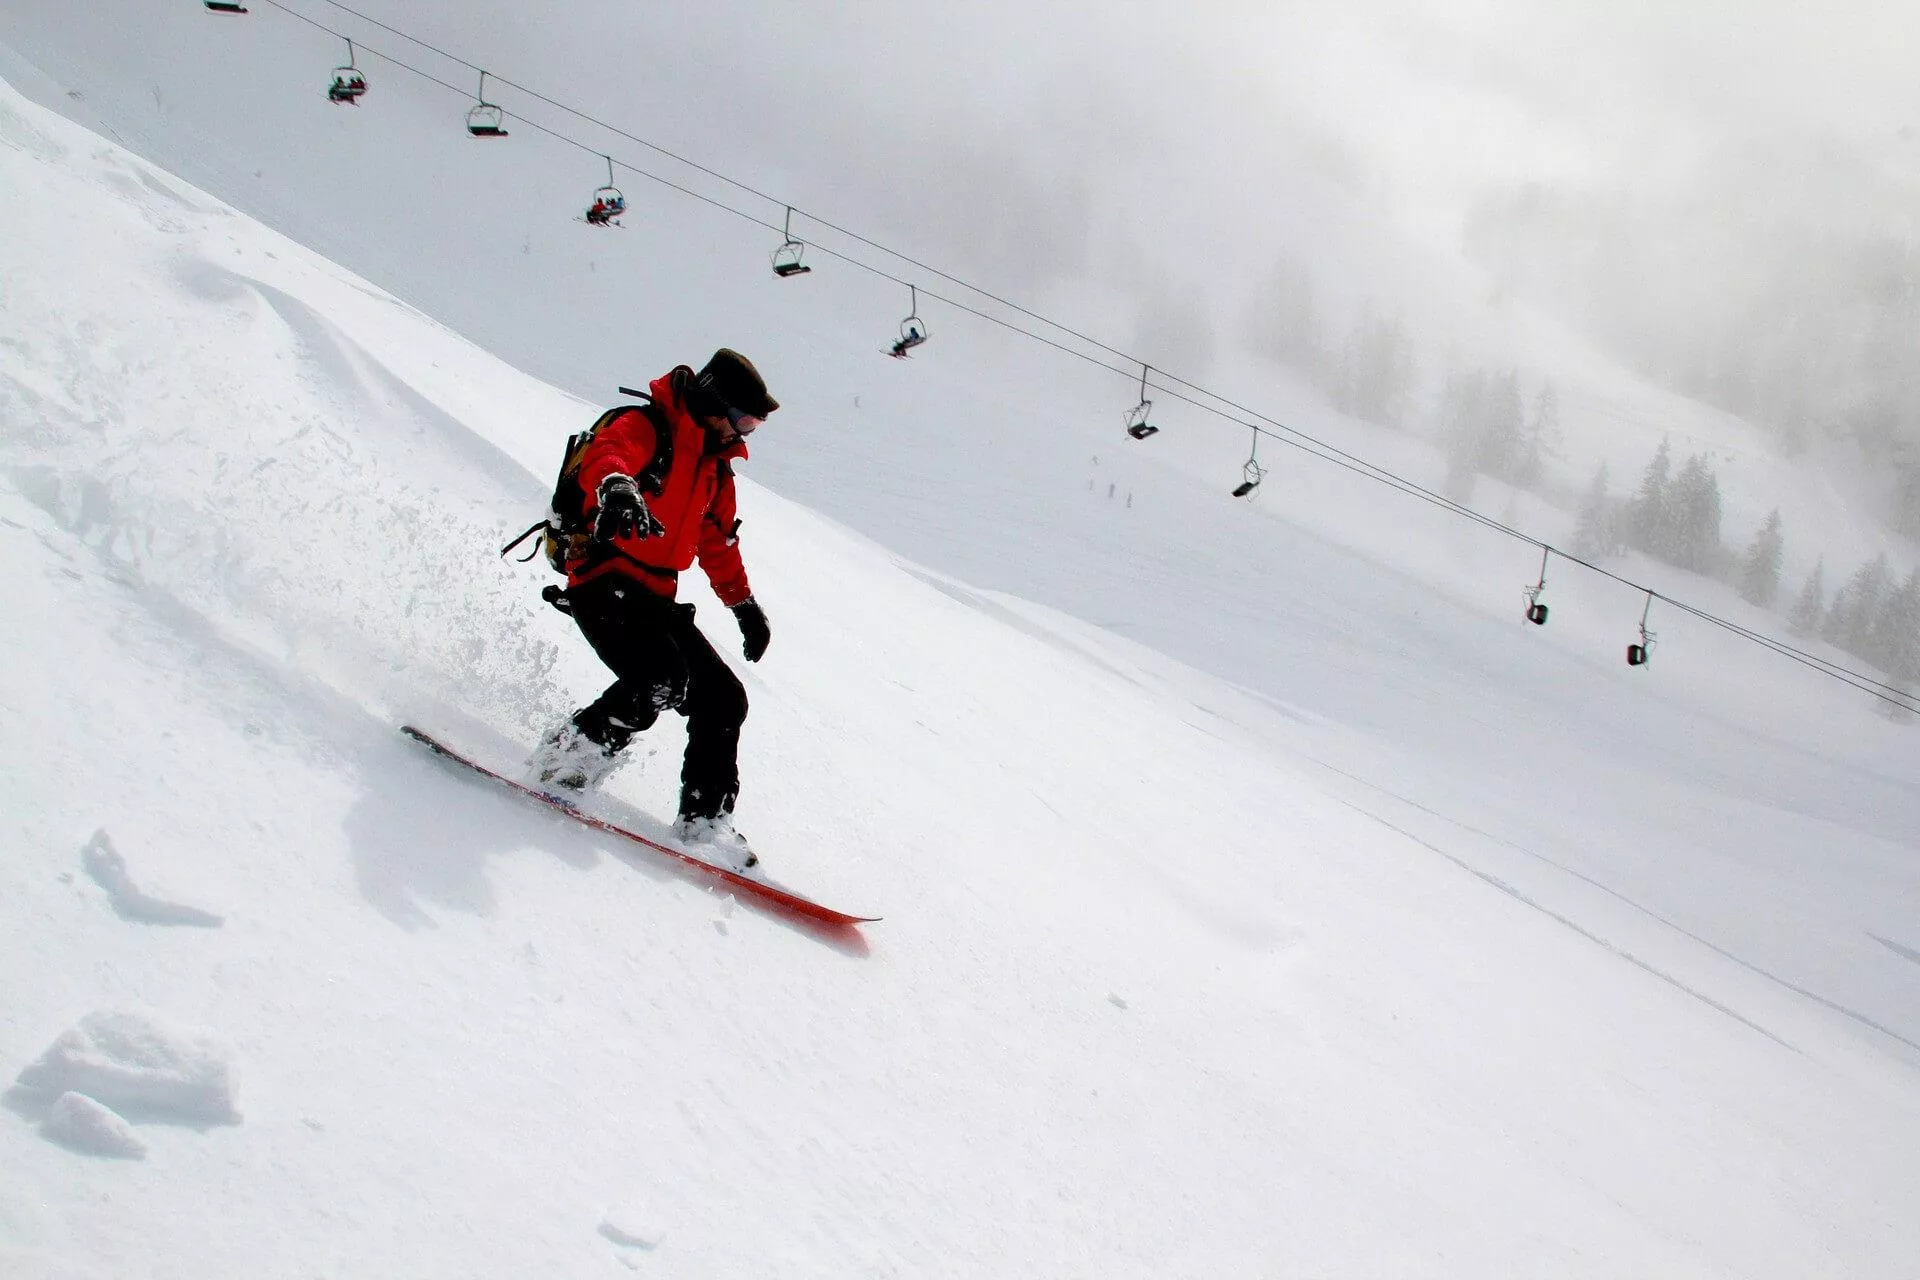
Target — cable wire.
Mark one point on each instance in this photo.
(1170, 384)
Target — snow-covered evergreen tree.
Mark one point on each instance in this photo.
(1376, 370)
(1850, 621)
(1502, 426)
(1760, 569)
(1893, 638)
(1541, 439)
(1596, 531)
(1462, 407)
(1485, 429)
(1283, 321)
(1693, 517)
(1646, 513)
(1906, 498)
(1810, 606)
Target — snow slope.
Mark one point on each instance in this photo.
(1369, 932)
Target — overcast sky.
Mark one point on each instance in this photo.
(1197, 142)
(1062, 109)
(1432, 98)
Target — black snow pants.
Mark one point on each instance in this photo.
(662, 662)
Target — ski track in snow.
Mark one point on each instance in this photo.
(1905, 953)
(1160, 991)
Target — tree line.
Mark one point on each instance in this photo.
(1676, 518)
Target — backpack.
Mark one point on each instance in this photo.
(566, 533)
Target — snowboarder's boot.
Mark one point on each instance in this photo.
(568, 762)
(713, 839)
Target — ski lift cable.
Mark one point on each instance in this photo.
(998, 299)
(1128, 360)
(1826, 666)
(536, 95)
(736, 183)
(1195, 395)
(557, 135)
(1302, 440)
(1195, 389)
(1886, 692)
(703, 197)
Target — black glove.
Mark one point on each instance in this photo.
(623, 512)
(754, 631)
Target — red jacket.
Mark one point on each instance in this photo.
(695, 501)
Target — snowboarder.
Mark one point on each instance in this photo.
(621, 594)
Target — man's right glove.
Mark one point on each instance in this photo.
(755, 634)
(623, 512)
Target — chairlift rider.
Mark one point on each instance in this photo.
(607, 205)
(912, 334)
(348, 84)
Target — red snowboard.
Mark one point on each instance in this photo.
(768, 894)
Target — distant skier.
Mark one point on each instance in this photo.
(621, 593)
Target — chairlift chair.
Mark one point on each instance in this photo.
(913, 330)
(485, 120)
(348, 84)
(1137, 425)
(1637, 654)
(786, 259)
(607, 203)
(1537, 612)
(225, 6)
(1252, 473)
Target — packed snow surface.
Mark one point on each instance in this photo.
(1261, 896)
(138, 1064)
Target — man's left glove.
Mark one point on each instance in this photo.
(754, 632)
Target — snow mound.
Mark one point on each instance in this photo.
(134, 1063)
(109, 870)
(89, 1126)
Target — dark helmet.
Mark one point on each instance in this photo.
(731, 378)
